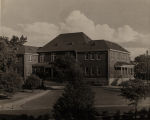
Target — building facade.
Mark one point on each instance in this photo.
(26, 57)
(102, 61)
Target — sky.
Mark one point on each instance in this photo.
(126, 22)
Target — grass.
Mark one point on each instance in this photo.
(105, 99)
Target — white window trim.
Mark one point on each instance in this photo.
(53, 57)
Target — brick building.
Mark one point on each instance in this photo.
(26, 57)
(102, 61)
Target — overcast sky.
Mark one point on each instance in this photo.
(126, 22)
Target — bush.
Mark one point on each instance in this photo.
(11, 82)
(33, 82)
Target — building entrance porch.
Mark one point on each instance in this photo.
(44, 71)
(124, 70)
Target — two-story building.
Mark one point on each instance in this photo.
(102, 61)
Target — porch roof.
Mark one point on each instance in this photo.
(121, 64)
(41, 65)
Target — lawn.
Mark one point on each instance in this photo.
(105, 99)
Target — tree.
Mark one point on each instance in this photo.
(134, 91)
(77, 101)
(11, 82)
(67, 69)
(8, 51)
(142, 67)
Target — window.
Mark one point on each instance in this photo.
(17, 59)
(41, 58)
(92, 56)
(98, 70)
(86, 70)
(30, 58)
(126, 71)
(129, 71)
(53, 57)
(86, 56)
(92, 71)
(98, 56)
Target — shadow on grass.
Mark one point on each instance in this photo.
(143, 114)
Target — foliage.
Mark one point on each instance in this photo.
(67, 69)
(33, 82)
(8, 50)
(76, 103)
(142, 67)
(11, 82)
(134, 91)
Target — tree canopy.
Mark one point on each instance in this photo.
(77, 101)
(8, 50)
(68, 69)
(142, 67)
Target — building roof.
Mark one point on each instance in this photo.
(79, 42)
(42, 65)
(27, 49)
(119, 64)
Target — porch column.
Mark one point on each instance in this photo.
(127, 72)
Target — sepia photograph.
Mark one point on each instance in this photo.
(74, 59)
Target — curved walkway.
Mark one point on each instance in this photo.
(16, 105)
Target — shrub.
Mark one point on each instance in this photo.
(11, 82)
(33, 82)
